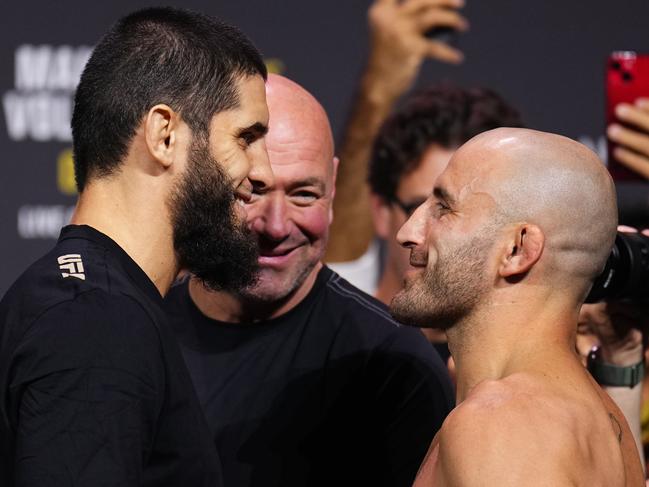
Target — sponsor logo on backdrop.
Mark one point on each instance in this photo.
(42, 221)
(45, 221)
(39, 106)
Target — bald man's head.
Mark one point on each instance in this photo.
(291, 217)
(550, 181)
(514, 206)
(296, 117)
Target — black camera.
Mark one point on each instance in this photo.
(626, 274)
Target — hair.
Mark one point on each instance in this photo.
(184, 59)
(439, 114)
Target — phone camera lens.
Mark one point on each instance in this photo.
(615, 65)
(626, 76)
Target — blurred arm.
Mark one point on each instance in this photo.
(398, 47)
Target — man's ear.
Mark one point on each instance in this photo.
(524, 249)
(160, 133)
(381, 215)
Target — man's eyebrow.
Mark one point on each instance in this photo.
(442, 194)
(259, 129)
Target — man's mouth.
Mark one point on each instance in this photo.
(417, 262)
(275, 256)
(278, 252)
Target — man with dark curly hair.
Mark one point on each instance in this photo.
(412, 149)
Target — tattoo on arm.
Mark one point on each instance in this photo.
(616, 426)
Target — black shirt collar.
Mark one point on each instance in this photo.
(134, 271)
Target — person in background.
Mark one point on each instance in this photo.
(398, 47)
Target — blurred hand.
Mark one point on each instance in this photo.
(633, 150)
(616, 328)
(398, 41)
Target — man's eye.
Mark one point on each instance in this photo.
(304, 197)
(441, 208)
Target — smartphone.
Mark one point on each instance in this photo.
(447, 35)
(627, 79)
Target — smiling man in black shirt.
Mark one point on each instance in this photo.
(304, 379)
(168, 131)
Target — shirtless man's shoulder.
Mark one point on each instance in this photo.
(516, 431)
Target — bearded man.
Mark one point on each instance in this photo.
(168, 128)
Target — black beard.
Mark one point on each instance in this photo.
(209, 240)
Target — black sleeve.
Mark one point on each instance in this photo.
(413, 397)
(85, 393)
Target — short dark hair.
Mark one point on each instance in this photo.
(444, 114)
(185, 59)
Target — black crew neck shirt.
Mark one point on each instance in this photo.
(93, 387)
(334, 392)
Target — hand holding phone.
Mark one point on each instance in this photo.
(627, 115)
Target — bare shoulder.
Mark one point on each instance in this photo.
(515, 431)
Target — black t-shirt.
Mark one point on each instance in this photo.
(334, 392)
(93, 388)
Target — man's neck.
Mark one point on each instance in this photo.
(243, 307)
(138, 223)
(500, 340)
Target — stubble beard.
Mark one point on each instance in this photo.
(272, 287)
(449, 292)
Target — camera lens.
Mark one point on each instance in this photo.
(626, 76)
(626, 274)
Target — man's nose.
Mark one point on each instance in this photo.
(413, 232)
(271, 217)
(261, 174)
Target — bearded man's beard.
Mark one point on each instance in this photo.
(210, 241)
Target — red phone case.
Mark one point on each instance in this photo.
(627, 79)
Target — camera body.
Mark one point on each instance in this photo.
(626, 274)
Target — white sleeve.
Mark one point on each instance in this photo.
(364, 272)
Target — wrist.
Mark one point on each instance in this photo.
(386, 78)
(623, 354)
(607, 374)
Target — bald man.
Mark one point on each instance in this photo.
(503, 254)
(304, 379)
